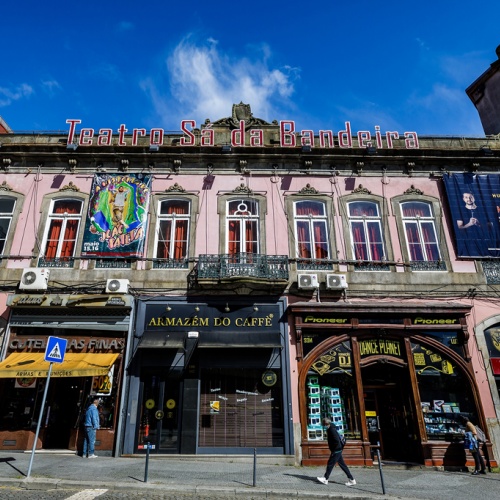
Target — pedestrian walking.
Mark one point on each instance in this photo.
(472, 443)
(335, 445)
(91, 424)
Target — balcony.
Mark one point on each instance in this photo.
(56, 262)
(243, 265)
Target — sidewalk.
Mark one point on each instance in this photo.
(216, 477)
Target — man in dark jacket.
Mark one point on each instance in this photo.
(335, 446)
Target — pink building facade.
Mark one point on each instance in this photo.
(224, 288)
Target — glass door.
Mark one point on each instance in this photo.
(159, 413)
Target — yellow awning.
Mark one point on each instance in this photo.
(25, 364)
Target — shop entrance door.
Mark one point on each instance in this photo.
(388, 410)
(160, 410)
(61, 413)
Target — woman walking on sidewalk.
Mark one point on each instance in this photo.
(335, 445)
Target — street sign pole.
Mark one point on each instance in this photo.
(39, 421)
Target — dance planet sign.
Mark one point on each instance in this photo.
(289, 136)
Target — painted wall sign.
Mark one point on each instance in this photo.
(374, 347)
(288, 136)
(77, 344)
(436, 321)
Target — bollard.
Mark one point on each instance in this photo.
(254, 466)
(147, 463)
(380, 470)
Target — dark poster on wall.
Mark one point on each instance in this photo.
(117, 216)
(475, 210)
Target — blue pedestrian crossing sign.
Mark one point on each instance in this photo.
(55, 350)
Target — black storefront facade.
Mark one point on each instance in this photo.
(391, 375)
(209, 377)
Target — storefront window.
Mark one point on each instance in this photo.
(241, 407)
(330, 388)
(444, 394)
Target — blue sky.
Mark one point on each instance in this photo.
(401, 65)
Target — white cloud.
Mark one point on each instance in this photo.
(51, 87)
(205, 83)
(7, 95)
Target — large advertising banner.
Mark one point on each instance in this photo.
(475, 210)
(117, 216)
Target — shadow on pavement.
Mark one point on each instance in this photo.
(7, 460)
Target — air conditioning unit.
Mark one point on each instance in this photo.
(336, 282)
(117, 286)
(34, 279)
(308, 281)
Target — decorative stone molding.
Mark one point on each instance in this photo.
(5, 187)
(175, 188)
(240, 111)
(413, 190)
(177, 166)
(70, 187)
(242, 189)
(308, 189)
(361, 190)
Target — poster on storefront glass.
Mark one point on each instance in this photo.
(117, 216)
(475, 210)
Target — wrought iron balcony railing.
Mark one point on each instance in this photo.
(170, 264)
(271, 267)
(57, 262)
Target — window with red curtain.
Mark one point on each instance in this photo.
(6, 211)
(311, 231)
(173, 229)
(242, 227)
(366, 231)
(420, 231)
(62, 229)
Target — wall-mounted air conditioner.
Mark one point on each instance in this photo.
(336, 282)
(117, 285)
(34, 279)
(308, 281)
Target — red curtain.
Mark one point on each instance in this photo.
(176, 249)
(71, 227)
(429, 243)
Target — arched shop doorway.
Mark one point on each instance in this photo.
(399, 388)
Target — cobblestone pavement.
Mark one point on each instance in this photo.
(62, 476)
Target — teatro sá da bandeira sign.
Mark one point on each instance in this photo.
(254, 137)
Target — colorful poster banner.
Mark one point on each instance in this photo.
(117, 216)
(475, 210)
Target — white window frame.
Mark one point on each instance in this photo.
(418, 221)
(366, 220)
(242, 219)
(65, 217)
(173, 218)
(9, 216)
(311, 221)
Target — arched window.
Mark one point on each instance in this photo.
(7, 206)
(61, 234)
(172, 231)
(420, 231)
(365, 226)
(242, 221)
